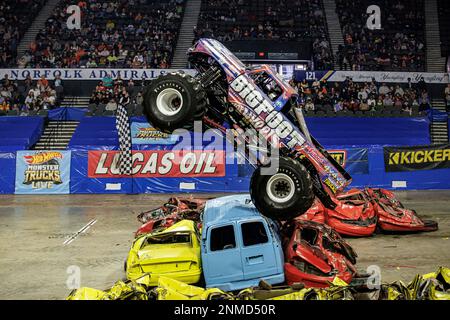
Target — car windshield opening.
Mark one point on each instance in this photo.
(309, 235)
(169, 238)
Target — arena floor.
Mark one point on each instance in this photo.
(34, 259)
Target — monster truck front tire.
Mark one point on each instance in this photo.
(284, 195)
(173, 101)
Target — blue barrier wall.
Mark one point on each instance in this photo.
(7, 172)
(19, 133)
(362, 140)
(345, 131)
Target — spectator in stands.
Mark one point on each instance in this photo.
(107, 81)
(447, 94)
(309, 106)
(30, 101)
(139, 98)
(384, 89)
(111, 105)
(42, 84)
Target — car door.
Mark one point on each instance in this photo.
(222, 261)
(257, 250)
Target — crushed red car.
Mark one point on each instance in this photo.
(315, 254)
(174, 210)
(353, 216)
(393, 216)
(360, 213)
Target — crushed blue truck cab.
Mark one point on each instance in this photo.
(239, 246)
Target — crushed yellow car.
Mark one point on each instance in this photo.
(121, 290)
(173, 253)
(170, 289)
(430, 286)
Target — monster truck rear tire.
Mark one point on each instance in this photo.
(173, 101)
(284, 195)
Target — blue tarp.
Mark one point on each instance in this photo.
(19, 133)
(370, 131)
(67, 114)
(95, 133)
(7, 172)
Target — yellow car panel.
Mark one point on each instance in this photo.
(173, 253)
(170, 289)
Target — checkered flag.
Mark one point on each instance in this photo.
(123, 128)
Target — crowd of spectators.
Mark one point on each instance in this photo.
(29, 96)
(398, 46)
(369, 97)
(110, 93)
(285, 20)
(114, 33)
(15, 18)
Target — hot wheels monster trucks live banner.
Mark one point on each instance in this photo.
(416, 158)
(42, 172)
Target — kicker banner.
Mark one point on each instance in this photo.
(159, 163)
(144, 133)
(416, 158)
(42, 172)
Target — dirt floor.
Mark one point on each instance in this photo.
(36, 264)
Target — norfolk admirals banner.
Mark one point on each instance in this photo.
(42, 172)
(416, 158)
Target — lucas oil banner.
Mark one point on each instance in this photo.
(144, 133)
(159, 163)
(42, 172)
(416, 158)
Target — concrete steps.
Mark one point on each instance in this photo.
(439, 129)
(56, 135)
(334, 28)
(75, 101)
(186, 33)
(435, 62)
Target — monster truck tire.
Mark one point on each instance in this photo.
(173, 101)
(284, 195)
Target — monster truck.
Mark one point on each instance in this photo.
(225, 93)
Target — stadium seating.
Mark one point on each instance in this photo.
(398, 46)
(262, 19)
(15, 18)
(133, 34)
